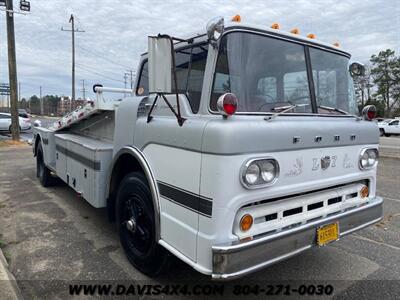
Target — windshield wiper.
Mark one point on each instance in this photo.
(285, 110)
(333, 109)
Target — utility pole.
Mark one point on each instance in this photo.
(41, 101)
(83, 89)
(73, 30)
(125, 81)
(12, 71)
(130, 73)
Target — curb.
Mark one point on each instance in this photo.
(8, 285)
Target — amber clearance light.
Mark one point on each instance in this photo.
(275, 26)
(295, 31)
(364, 192)
(246, 222)
(236, 18)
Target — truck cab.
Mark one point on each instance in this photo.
(250, 152)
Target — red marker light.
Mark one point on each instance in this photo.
(227, 104)
(369, 112)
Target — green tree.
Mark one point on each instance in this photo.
(386, 76)
(363, 86)
(34, 104)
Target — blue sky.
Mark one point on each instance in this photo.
(116, 33)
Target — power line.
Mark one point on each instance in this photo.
(98, 74)
(102, 57)
(96, 70)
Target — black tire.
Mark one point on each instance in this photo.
(134, 203)
(387, 134)
(381, 132)
(9, 129)
(42, 172)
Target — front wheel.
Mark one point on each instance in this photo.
(10, 129)
(136, 225)
(381, 132)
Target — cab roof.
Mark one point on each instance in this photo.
(200, 36)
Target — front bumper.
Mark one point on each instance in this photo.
(235, 260)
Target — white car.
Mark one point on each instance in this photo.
(389, 127)
(5, 122)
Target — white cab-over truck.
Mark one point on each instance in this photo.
(239, 147)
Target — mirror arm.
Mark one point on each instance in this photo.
(178, 113)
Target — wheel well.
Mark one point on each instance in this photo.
(37, 141)
(125, 164)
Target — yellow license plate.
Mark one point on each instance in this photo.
(327, 233)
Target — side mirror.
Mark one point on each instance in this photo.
(356, 69)
(160, 64)
(215, 28)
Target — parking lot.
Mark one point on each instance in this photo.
(51, 237)
(28, 134)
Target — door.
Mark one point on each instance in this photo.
(393, 127)
(5, 122)
(165, 145)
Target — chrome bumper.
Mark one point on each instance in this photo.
(235, 260)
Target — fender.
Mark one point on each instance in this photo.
(140, 157)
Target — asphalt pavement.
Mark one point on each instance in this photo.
(51, 238)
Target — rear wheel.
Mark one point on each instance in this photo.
(42, 172)
(136, 226)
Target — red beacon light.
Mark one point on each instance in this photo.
(227, 104)
(369, 112)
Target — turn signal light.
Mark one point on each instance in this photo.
(246, 222)
(237, 18)
(295, 31)
(364, 192)
(311, 36)
(275, 26)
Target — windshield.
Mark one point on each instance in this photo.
(268, 74)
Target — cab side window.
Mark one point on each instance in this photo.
(196, 75)
(190, 67)
(143, 84)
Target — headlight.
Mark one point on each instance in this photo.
(259, 172)
(268, 171)
(368, 158)
(252, 174)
